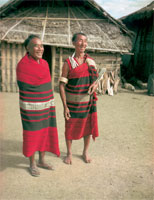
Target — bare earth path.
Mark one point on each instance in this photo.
(122, 166)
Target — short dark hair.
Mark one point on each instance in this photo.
(76, 35)
(30, 37)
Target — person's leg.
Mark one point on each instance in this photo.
(33, 168)
(68, 159)
(32, 160)
(42, 162)
(41, 157)
(85, 150)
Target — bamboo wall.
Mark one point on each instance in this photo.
(11, 53)
(109, 61)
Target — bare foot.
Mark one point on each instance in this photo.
(86, 158)
(68, 159)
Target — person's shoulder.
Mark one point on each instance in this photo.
(89, 57)
(22, 61)
(67, 59)
(90, 60)
(44, 61)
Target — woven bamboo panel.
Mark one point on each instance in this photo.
(3, 66)
(12, 53)
(10, 56)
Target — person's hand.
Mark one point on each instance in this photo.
(67, 113)
(92, 88)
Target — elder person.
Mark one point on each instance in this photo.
(36, 105)
(77, 89)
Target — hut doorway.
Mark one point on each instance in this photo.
(48, 56)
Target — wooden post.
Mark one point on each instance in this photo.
(19, 49)
(19, 52)
(13, 68)
(60, 61)
(8, 68)
(53, 65)
(119, 65)
(69, 24)
(3, 60)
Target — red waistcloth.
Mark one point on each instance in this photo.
(83, 113)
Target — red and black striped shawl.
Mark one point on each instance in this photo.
(82, 106)
(37, 107)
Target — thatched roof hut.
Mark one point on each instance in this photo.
(55, 21)
(141, 65)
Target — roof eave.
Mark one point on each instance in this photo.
(72, 47)
(138, 12)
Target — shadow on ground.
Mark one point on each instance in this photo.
(9, 157)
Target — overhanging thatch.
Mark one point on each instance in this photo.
(140, 16)
(141, 23)
(57, 20)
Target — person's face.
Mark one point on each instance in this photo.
(80, 43)
(35, 48)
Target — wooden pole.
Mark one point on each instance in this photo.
(44, 23)
(53, 65)
(3, 59)
(13, 68)
(76, 20)
(8, 69)
(56, 19)
(19, 56)
(88, 48)
(69, 24)
(60, 61)
(12, 27)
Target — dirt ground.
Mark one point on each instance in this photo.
(122, 165)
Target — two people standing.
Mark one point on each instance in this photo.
(77, 89)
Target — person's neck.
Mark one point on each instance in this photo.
(37, 60)
(79, 55)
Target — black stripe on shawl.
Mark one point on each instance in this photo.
(36, 95)
(37, 112)
(33, 88)
(36, 100)
(83, 114)
(38, 117)
(35, 126)
(79, 81)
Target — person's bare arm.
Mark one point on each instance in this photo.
(62, 84)
(93, 87)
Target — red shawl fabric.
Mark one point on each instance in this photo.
(37, 107)
(82, 106)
